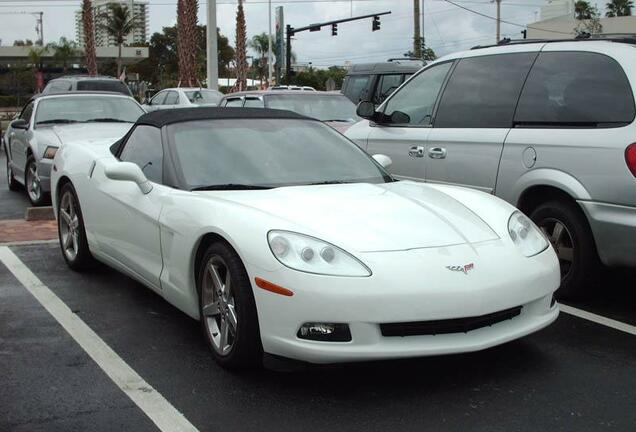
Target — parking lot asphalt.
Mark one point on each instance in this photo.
(574, 375)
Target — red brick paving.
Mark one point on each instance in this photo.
(16, 230)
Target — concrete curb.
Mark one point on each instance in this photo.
(39, 214)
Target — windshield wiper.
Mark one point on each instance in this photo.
(329, 182)
(230, 186)
(107, 120)
(56, 121)
(339, 120)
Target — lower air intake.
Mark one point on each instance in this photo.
(456, 325)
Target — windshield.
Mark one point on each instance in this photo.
(104, 85)
(83, 109)
(321, 107)
(204, 96)
(253, 153)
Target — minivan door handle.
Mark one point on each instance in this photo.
(437, 153)
(416, 152)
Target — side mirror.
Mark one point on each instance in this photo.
(398, 117)
(128, 171)
(383, 160)
(366, 110)
(20, 124)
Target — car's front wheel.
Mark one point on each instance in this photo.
(11, 181)
(227, 309)
(567, 229)
(33, 183)
(71, 231)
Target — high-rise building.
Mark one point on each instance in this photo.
(139, 35)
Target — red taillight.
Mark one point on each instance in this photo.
(630, 158)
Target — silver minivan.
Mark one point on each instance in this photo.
(547, 126)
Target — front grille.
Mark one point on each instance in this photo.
(455, 325)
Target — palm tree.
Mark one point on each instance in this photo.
(260, 44)
(89, 37)
(187, 32)
(63, 51)
(241, 54)
(119, 24)
(619, 8)
(582, 10)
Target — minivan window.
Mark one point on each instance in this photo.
(386, 85)
(357, 87)
(417, 98)
(575, 88)
(115, 86)
(238, 102)
(483, 91)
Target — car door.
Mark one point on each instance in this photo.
(403, 139)
(126, 221)
(473, 117)
(18, 142)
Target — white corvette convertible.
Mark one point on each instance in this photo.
(282, 237)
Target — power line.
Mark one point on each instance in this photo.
(506, 22)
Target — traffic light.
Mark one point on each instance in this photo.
(376, 23)
(334, 29)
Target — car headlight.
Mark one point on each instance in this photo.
(49, 153)
(526, 235)
(311, 255)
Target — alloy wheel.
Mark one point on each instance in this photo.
(218, 306)
(34, 187)
(69, 226)
(561, 241)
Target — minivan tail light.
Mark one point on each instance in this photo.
(630, 158)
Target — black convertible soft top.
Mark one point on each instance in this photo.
(161, 118)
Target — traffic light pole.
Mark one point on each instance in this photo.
(290, 32)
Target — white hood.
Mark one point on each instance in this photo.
(91, 133)
(369, 218)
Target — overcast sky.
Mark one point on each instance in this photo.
(447, 27)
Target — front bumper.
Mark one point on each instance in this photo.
(614, 230)
(410, 286)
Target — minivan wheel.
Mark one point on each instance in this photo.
(567, 229)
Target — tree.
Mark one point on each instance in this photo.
(317, 78)
(35, 57)
(89, 37)
(21, 42)
(187, 41)
(241, 54)
(588, 19)
(119, 24)
(161, 68)
(582, 10)
(63, 51)
(260, 44)
(619, 8)
(427, 54)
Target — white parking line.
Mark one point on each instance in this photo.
(608, 322)
(150, 401)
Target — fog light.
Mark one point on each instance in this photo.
(325, 332)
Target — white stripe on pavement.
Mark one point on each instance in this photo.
(608, 322)
(150, 401)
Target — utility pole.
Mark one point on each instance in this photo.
(498, 21)
(417, 44)
(269, 45)
(212, 47)
(423, 34)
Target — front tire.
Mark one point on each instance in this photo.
(227, 309)
(33, 183)
(71, 231)
(567, 229)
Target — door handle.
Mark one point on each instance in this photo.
(437, 153)
(416, 152)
